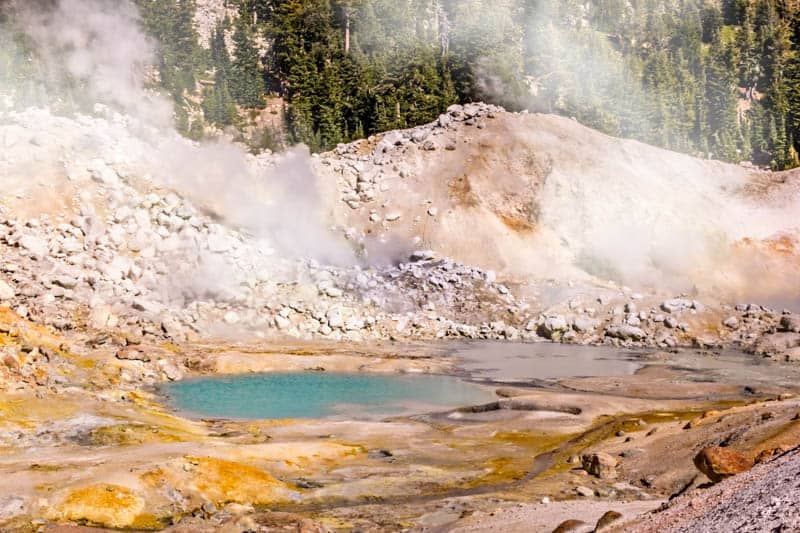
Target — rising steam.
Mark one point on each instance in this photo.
(622, 211)
(94, 52)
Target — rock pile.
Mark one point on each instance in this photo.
(149, 264)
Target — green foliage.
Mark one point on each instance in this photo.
(171, 24)
(246, 82)
(218, 104)
(715, 78)
(180, 59)
(678, 74)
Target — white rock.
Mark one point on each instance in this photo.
(553, 324)
(626, 332)
(335, 319)
(34, 245)
(101, 317)
(676, 305)
(101, 172)
(6, 291)
(420, 134)
(584, 324)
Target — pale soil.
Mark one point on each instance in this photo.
(544, 518)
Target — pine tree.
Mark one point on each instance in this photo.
(246, 81)
(669, 72)
(171, 23)
(720, 101)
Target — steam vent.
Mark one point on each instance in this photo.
(420, 266)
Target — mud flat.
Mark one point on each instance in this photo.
(99, 451)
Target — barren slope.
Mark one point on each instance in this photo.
(542, 196)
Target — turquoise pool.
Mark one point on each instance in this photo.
(321, 395)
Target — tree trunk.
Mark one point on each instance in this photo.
(347, 31)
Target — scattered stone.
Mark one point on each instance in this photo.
(731, 323)
(678, 305)
(552, 326)
(719, 463)
(419, 135)
(584, 324)
(632, 452)
(132, 354)
(626, 332)
(600, 464)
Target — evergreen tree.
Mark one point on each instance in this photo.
(707, 77)
(720, 102)
(171, 23)
(218, 105)
(246, 81)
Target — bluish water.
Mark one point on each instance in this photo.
(321, 394)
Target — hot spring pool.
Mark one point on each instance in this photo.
(320, 395)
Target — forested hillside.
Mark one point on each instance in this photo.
(715, 78)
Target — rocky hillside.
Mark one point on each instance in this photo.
(113, 237)
(484, 224)
(543, 197)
